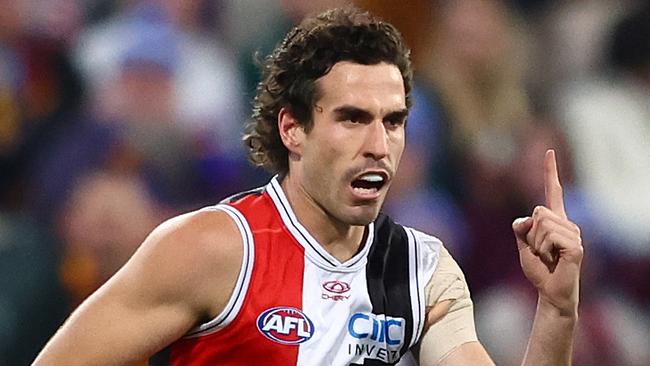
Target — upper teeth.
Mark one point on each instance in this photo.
(372, 178)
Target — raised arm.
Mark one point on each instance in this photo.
(181, 275)
(550, 251)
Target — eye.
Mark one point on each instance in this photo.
(352, 115)
(352, 118)
(395, 121)
(355, 118)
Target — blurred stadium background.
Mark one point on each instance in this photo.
(118, 114)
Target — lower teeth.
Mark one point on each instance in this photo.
(365, 190)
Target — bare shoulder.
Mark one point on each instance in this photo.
(192, 257)
(201, 235)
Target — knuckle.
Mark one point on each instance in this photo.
(545, 245)
(576, 229)
(545, 224)
(552, 237)
(530, 239)
(547, 239)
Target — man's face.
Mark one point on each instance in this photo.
(349, 157)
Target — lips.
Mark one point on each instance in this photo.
(368, 184)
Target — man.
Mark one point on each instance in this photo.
(306, 270)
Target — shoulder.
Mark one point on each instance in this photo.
(194, 256)
(426, 247)
(386, 227)
(446, 278)
(205, 234)
(448, 281)
(426, 241)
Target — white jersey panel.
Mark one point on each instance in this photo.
(424, 252)
(329, 300)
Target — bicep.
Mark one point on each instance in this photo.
(449, 334)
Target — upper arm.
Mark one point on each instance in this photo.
(450, 315)
(183, 272)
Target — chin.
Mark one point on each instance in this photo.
(362, 216)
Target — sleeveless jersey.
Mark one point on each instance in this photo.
(295, 304)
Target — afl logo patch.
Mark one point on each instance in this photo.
(285, 325)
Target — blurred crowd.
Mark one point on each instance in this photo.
(118, 114)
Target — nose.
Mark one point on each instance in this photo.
(376, 142)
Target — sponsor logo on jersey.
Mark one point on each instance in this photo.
(378, 336)
(335, 290)
(285, 325)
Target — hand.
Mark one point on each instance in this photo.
(550, 247)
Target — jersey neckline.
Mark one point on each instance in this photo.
(313, 249)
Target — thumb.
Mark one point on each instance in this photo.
(521, 227)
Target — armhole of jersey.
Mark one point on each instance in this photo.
(231, 310)
(424, 252)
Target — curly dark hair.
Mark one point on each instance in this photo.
(307, 53)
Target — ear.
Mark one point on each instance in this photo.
(291, 131)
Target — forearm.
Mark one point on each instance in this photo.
(551, 339)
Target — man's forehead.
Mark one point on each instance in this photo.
(350, 72)
(364, 86)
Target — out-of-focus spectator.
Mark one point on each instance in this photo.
(104, 221)
(571, 38)
(109, 179)
(206, 99)
(254, 28)
(607, 118)
(608, 123)
(40, 91)
(39, 88)
(476, 65)
(136, 128)
(140, 135)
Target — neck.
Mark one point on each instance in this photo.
(338, 238)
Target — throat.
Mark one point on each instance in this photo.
(348, 246)
(341, 240)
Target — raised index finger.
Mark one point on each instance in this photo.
(552, 186)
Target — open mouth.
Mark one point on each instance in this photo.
(369, 183)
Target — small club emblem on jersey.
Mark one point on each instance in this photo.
(285, 325)
(335, 290)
